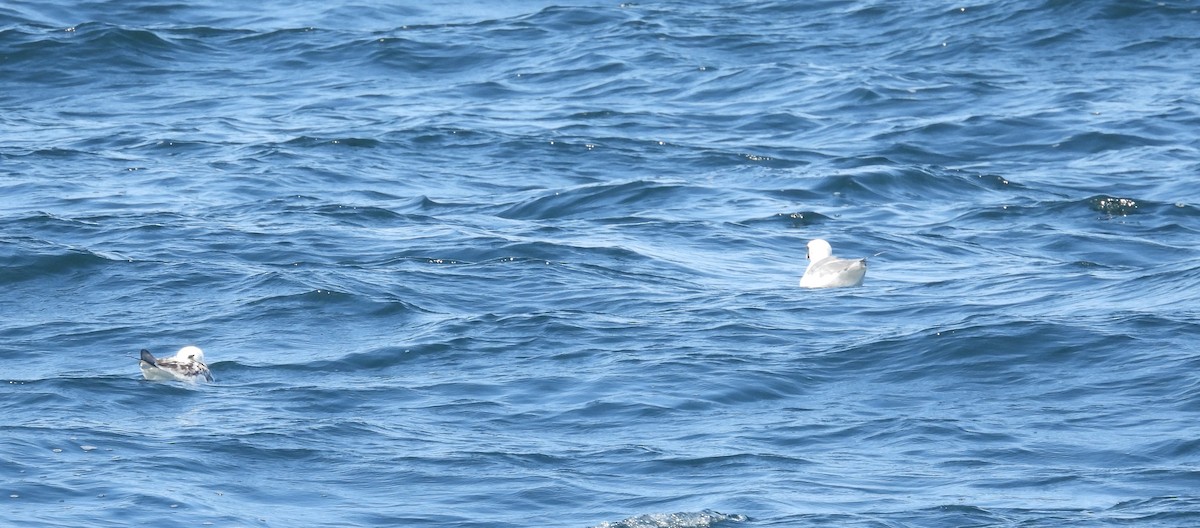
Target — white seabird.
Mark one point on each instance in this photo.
(827, 271)
(187, 365)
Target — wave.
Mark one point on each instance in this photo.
(619, 202)
(700, 519)
(31, 260)
(911, 184)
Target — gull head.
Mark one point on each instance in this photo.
(192, 353)
(819, 249)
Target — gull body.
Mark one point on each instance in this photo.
(186, 365)
(827, 271)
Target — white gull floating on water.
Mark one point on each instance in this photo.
(827, 271)
(187, 365)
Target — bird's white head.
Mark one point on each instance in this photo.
(819, 249)
(190, 352)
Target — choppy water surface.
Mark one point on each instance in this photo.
(536, 265)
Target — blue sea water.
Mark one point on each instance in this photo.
(535, 264)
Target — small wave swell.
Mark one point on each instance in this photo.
(700, 519)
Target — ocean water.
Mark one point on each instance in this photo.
(535, 264)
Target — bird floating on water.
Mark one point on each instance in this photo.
(187, 365)
(827, 271)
